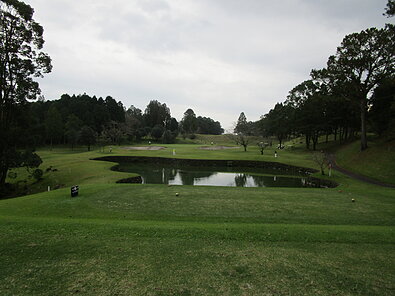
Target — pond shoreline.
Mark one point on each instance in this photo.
(209, 162)
(215, 163)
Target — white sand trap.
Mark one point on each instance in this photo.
(154, 148)
(218, 147)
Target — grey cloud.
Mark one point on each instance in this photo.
(154, 5)
(219, 57)
(155, 33)
(300, 9)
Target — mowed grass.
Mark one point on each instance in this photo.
(377, 162)
(124, 239)
(75, 167)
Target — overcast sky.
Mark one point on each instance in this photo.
(218, 57)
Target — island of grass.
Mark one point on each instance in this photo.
(133, 239)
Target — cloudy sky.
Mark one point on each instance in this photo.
(218, 57)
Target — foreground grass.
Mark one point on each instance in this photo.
(144, 240)
(88, 258)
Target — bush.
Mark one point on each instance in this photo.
(37, 174)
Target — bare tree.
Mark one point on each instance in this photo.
(320, 159)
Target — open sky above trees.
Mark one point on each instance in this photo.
(216, 57)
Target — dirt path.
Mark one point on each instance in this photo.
(332, 160)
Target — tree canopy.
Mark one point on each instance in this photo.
(21, 61)
(361, 62)
(278, 121)
(156, 113)
(390, 9)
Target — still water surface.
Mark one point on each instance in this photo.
(213, 176)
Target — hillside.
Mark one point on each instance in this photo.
(377, 162)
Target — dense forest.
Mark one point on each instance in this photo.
(87, 120)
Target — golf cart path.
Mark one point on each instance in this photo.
(332, 161)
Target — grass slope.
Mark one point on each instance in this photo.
(122, 239)
(377, 162)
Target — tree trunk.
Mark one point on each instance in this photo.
(364, 141)
(341, 135)
(3, 175)
(280, 139)
(315, 141)
(307, 141)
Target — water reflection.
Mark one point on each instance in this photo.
(211, 176)
(241, 180)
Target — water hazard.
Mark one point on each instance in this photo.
(215, 176)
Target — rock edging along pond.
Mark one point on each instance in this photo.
(256, 165)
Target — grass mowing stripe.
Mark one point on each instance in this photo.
(223, 231)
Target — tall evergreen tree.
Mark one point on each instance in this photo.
(53, 125)
(21, 59)
(241, 125)
(73, 127)
(156, 113)
(189, 122)
(87, 136)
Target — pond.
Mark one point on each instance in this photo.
(153, 173)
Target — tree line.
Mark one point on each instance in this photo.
(86, 120)
(354, 94)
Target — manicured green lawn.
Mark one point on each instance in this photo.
(123, 239)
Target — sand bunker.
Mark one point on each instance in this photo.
(154, 148)
(218, 147)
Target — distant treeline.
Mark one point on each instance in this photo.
(82, 119)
